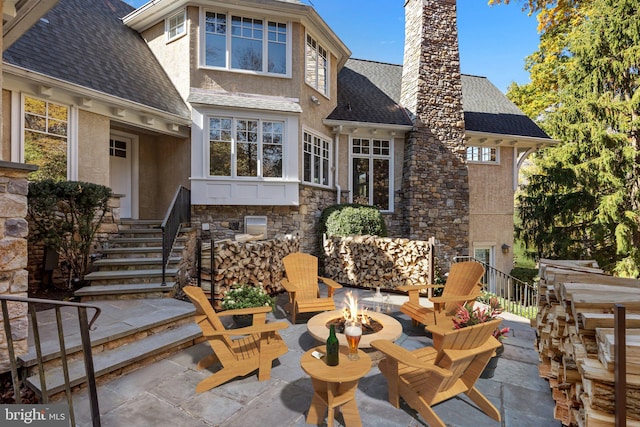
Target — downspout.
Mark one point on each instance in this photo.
(336, 144)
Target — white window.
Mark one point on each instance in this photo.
(46, 138)
(246, 43)
(176, 25)
(316, 66)
(316, 159)
(371, 172)
(241, 147)
(482, 154)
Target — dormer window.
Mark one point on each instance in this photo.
(246, 43)
(316, 66)
(176, 25)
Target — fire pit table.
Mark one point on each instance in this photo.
(391, 328)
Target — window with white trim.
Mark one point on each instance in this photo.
(316, 66)
(176, 25)
(482, 154)
(371, 172)
(246, 43)
(46, 138)
(316, 159)
(242, 147)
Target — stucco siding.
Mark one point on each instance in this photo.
(93, 148)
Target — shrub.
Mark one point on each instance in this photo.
(527, 275)
(66, 216)
(246, 296)
(353, 220)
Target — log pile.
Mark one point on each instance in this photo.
(371, 261)
(257, 263)
(575, 341)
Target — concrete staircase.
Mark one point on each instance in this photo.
(131, 264)
(128, 334)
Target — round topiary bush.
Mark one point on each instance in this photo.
(353, 220)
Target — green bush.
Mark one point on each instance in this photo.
(527, 275)
(246, 296)
(353, 220)
(66, 216)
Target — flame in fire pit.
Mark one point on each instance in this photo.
(350, 310)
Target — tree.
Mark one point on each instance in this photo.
(587, 191)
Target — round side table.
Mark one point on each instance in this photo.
(335, 386)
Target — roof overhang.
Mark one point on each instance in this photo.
(486, 139)
(367, 129)
(243, 101)
(20, 15)
(155, 11)
(117, 109)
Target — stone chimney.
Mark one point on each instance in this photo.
(435, 190)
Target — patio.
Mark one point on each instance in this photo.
(163, 393)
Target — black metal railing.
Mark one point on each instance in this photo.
(85, 325)
(179, 212)
(519, 297)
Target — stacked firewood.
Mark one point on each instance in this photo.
(575, 341)
(371, 261)
(256, 263)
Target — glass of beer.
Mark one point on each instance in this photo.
(353, 332)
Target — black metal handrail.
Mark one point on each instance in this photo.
(85, 326)
(520, 297)
(179, 212)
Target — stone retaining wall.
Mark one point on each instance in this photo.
(13, 254)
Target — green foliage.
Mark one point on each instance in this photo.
(352, 220)
(246, 296)
(583, 197)
(527, 275)
(66, 216)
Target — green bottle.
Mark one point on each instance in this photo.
(333, 347)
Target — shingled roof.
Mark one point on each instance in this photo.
(372, 90)
(85, 43)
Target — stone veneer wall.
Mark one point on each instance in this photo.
(300, 221)
(13, 254)
(435, 190)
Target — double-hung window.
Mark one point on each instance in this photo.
(316, 159)
(316, 66)
(482, 154)
(46, 138)
(242, 147)
(371, 172)
(254, 44)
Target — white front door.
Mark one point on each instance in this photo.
(121, 158)
(486, 254)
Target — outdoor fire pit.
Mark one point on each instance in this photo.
(387, 328)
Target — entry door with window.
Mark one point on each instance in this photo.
(486, 255)
(120, 166)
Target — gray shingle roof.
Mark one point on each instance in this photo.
(373, 88)
(84, 42)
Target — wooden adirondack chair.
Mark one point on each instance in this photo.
(239, 351)
(427, 376)
(301, 283)
(462, 285)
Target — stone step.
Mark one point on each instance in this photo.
(129, 276)
(124, 290)
(140, 231)
(124, 358)
(134, 252)
(140, 241)
(139, 223)
(118, 322)
(106, 264)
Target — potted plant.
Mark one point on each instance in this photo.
(468, 315)
(246, 296)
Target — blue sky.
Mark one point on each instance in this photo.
(494, 40)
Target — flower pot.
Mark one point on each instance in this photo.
(490, 369)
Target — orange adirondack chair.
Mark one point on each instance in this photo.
(462, 285)
(301, 282)
(427, 376)
(239, 351)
